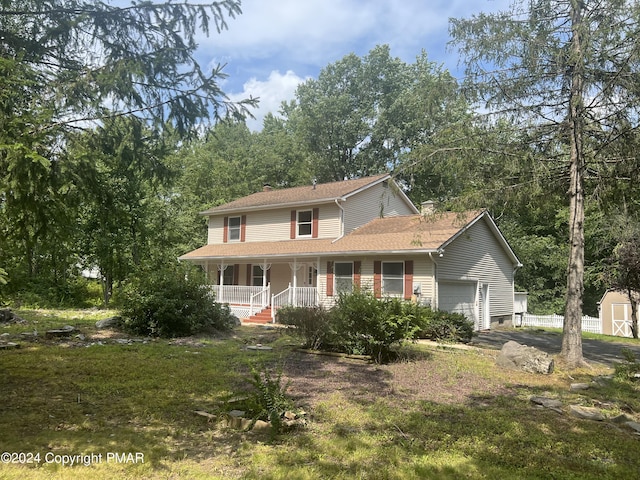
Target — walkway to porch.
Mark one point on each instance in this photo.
(247, 301)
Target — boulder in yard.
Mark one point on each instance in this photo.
(110, 322)
(547, 402)
(586, 413)
(521, 357)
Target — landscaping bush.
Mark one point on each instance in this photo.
(172, 302)
(363, 324)
(311, 324)
(444, 326)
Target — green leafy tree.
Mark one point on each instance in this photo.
(74, 65)
(365, 115)
(563, 70)
(125, 176)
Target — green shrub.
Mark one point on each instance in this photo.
(311, 324)
(363, 324)
(444, 326)
(172, 302)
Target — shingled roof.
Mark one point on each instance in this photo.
(410, 233)
(308, 194)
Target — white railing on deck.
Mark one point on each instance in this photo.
(589, 324)
(259, 300)
(297, 297)
(237, 294)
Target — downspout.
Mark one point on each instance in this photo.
(341, 221)
(435, 277)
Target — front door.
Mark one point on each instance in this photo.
(307, 275)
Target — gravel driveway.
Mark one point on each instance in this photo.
(551, 342)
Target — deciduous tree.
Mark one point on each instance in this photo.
(564, 70)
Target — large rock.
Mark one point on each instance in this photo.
(587, 413)
(521, 357)
(111, 322)
(7, 316)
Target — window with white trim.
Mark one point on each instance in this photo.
(235, 226)
(393, 278)
(256, 275)
(305, 223)
(343, 275)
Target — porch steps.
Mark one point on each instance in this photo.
(262, 317)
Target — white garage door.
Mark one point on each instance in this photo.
(458, 297)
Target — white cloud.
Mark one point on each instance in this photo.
(305, 36)
(271, 92)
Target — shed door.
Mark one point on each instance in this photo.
(621, 319)
(459, 297)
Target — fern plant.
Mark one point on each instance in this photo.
(269, 400)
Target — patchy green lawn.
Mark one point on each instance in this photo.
(126, 410)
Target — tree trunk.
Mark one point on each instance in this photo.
(572, 328)
(633, 299)
(107, 288)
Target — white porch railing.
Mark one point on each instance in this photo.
(259, 300)
(589, 324)
(297, 297)
(239, 294)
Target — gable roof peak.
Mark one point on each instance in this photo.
(306, 194)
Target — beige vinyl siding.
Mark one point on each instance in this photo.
(329, 224)
(216, 230)
(371, 203)
(268, 225)
(274, 225)
(476, 255)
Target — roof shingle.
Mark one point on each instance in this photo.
(390, 234)
(307, 194)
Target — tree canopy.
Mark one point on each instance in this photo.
(563, 70)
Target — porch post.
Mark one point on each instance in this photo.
(264, 274)
(317, 266)
(295, 281)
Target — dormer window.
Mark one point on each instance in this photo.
(305, 223)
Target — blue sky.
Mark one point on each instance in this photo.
(276, 44)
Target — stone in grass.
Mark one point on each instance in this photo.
(110, 322)
(521, 357)
(259, 346)
(547, 402)
(634, 426)
(65, 331)
(576, 387)
(207, 415)
(587, 413)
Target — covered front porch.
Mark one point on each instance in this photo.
(251, 288)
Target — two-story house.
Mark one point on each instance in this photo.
(306, 245)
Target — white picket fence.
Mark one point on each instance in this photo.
(589, 324)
